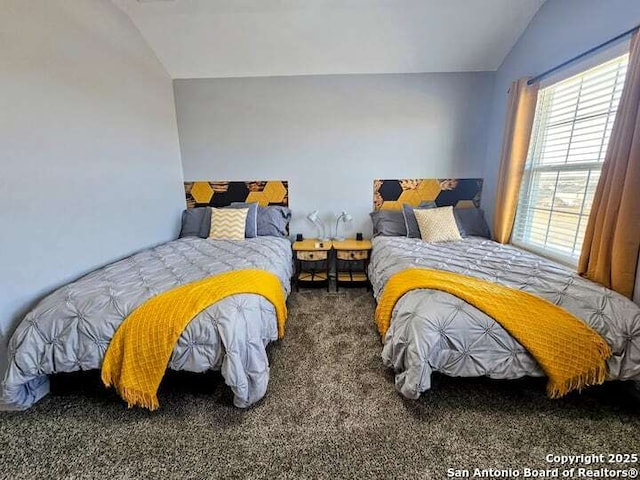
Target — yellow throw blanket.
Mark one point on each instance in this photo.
(139, 352)
(570, 353)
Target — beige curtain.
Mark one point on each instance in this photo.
(612, 239)
(636, 290)
(515, 146)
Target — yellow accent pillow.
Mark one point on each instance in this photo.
(228, 223)
(437, 224)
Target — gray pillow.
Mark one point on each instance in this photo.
(471, 222)
(273, 221)
(196, 222)
(388, 223)
(205, 226)
(251, 226)
(411, 224)
(192, 222)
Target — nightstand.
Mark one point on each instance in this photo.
(312, 263)
(352, 262)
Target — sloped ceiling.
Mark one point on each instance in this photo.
(247, 38)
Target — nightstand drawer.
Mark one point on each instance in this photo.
(312, 256)
(352, 254)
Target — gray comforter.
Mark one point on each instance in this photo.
(70, 329)
(435, 331)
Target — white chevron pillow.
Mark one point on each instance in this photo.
(228, 223)
(437, 224)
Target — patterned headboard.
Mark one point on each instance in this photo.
(220, 194)
(460, 192)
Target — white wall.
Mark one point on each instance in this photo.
(90, 160)
(331, 136)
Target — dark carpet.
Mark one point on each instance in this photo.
(331, 411)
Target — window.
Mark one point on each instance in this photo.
(571, 131)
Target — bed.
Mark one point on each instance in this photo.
(70, 329)
(433, 331)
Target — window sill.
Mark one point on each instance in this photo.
(546, 254)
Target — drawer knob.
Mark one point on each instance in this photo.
(311, 255)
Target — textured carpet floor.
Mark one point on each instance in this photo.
(330, 412)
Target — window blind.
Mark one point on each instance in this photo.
(572, 126)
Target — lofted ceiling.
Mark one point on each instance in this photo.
(248, 38)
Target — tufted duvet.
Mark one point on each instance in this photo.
(435, 331)
(70, 329)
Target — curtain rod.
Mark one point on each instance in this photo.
(542, 75)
